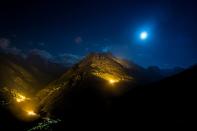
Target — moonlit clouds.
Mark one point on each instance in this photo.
(6, 47)
(43, 53)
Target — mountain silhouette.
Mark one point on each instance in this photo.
(100, 86)
(87, 85)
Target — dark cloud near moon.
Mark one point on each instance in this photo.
(78, 40)
(4, 43)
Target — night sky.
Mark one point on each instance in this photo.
(80, 27)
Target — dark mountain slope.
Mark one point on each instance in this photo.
(170, 100)
(30, 74)
(44, 68)
(14, 75)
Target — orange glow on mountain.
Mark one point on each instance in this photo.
(112, 81)
(20, 98)
(31, 113)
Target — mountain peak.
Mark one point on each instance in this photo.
(105, 66)
(98, 74)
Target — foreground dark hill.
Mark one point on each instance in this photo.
(170, 100)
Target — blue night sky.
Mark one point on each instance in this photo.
(84, 26)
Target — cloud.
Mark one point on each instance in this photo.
(70, 55)
(67, 59)
(14, 50)
(43, 53)
(106, 49)
(78, 40)
(4, 43)
(64, 59)
(7, 48)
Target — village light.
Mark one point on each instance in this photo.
(20, 98)
(113, 81)
(31, 113)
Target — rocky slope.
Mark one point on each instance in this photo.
(96, 77)
(25, 76)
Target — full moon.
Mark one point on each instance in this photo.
(143, 35)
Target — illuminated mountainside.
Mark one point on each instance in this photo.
(15, 76)
(95, 75)
(105, 66)
(31, 70)
(18, 83)
(21, 78)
